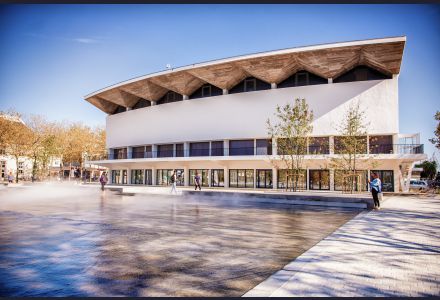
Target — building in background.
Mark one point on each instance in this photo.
(211, 117)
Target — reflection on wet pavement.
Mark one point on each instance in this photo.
(58, 240)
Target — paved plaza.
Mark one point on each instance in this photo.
(391, 252)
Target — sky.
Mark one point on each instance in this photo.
(51, 56)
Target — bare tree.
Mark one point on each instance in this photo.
(292, 127)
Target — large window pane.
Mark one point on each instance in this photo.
(319, 145)
(293, 181)
(148, 177)
(264, 147)
(217, 178)
(138, 152)
(264, 179)
(199, 149)
(179, 150)
(203, 173)
(344, 144)
(165, 150)
(381, 144)
(241, 147)
(342, 182)
(217, 148)
(137, 176)
(319, 179)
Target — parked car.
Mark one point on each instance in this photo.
(419, 185)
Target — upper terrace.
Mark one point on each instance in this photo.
(319, 64)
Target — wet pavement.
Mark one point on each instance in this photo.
(63, 240)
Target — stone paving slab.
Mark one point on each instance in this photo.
(391, 252)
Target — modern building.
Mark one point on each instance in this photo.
(211, 117)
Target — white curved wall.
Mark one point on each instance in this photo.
(244, 115)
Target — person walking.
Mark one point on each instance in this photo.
(10, 178)
(173, 182)
(103, 180)
(197, 182)
(376, 189)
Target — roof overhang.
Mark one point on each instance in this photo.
(326, 60)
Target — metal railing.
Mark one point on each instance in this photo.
(247, 151)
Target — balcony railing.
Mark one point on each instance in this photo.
(248, 151)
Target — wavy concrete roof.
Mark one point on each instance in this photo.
(326, 60)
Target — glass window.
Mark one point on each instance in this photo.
(264, 179)
(163, 176)
(343, 143)
(293, 182)
(241, 147)
(137, 176)
(203, 174)
(217, 148)
(165, 150)
(120, 153)
(141, 104)
(148, 151)
(124, 177)
(241, 178)
(148, 177)
(116, 177)
(387, 179)
(217, 178)
(344, 183)
(361, 73)
(264, 147)
(199, 149)
(319, 145)
(206, 91)
(138, 152)
(319, 179)
(302, 78)
(250, 85)
(179, 150)
(381, 144)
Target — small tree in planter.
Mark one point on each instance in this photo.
(292, 127)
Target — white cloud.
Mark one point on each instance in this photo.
(85, 40)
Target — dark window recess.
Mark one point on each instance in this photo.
(344, 144)
(361, 73)
(137, 152)
(169, 97)
(207, 90)
(381, 144)
(387, 179)
(120, 153)
(319, 179)
(217, 148)
(179, 150)
(302, 78)
(141, 103)
(241, 147)
(165, 150)
(250, 84)
(264, 147)
(119, 109)
(199, 149)
(319, 145)
(148, 152)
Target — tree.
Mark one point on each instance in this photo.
(291, 129)
(436, 140)
(429, 169)
(351, 147)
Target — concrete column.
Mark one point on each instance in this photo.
(109, 153)
(128, 108)
(332, 179)
(153, 176)
(186, 149)
(273, 85)
(129, 152)
(186, 176)
(331, 142)
(226, 171)
(174, 150)
(109, 176)
(209, 177)
(154, 150)
(255, 178)
(368, 177)
(225, 91)
(274, 178)
(330, 80)
(185, 97)
(153, 103)
(225, 148)
(307, 178)
(274, 146)
(255, 147)
(368, 144)
(395, 142)
(128, 176)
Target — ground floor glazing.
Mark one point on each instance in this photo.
(308, 179)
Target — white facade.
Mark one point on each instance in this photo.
(242, 116)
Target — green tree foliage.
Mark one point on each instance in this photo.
(436, 140)
(291, 129)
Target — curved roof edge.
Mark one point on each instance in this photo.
(254, 55)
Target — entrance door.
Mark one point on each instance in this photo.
(387, 179)
(319, 179)
(264, 179)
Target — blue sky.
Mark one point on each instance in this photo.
(53, 55)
